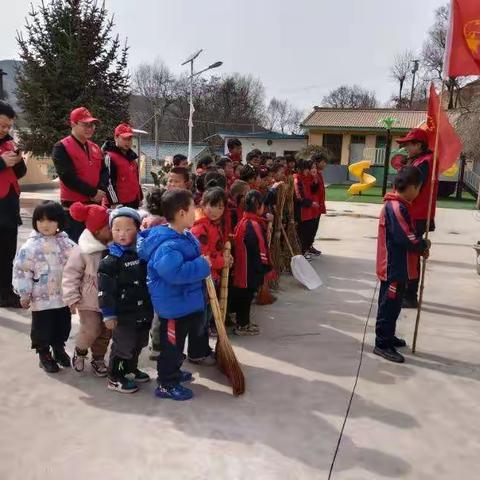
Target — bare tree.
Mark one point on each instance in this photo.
(400, 71)
(350, 97)
(433, 53)
(283, 116)
(157, 88)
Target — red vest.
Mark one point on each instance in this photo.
(127, 187)
(7, 175)
(302, 184)
(419, 208)
(87, 167)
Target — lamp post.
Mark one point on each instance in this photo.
(414, 72)
(190, 60)
(388, 124)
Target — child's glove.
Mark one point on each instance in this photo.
(25, 302)
(111, 323)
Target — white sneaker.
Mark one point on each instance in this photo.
(99, 369)
(78, 361)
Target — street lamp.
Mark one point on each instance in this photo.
(388, 125)
(190, 60)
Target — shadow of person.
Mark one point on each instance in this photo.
(278, 411)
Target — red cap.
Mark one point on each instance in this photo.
(124, 130)
(81, 114)
(94, 216)
(414, 135)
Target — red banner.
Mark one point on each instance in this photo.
(463, 45)
(449, 145)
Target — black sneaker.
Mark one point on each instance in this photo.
(122, 385)
(410, 302)
(399, 342)
(61, 357)
(314, 251)
(48, 363)
(389, 354)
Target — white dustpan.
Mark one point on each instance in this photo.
(301, 269)
(304, 272)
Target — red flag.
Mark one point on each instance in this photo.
(463, 46)
(449, 145)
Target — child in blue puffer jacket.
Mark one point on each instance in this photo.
(176, 274)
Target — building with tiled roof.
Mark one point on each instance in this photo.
(352, 135)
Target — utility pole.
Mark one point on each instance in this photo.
(388, 124)
(414, 71)
(2, 92)
(157, 146)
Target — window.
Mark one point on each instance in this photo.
(290, 153)
(380, 141)
(334, 144)
(358, 139)
(270, 154)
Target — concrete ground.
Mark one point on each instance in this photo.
(418, 421)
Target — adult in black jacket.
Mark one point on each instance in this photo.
(12, 167)
(125, 301)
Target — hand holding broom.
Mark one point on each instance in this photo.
(226, 360)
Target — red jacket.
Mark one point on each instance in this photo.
(419, 210)
(123, 176)
(87, 167)
(317, 191)
(8, 178)
(304, 197)
(212, 242)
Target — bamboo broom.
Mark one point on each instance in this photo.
(226, 360)
(264, 296)
(224, 281)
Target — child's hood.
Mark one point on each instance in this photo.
(89, 244)
(149, 240)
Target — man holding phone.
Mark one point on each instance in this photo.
(80, 167)
(12, 167)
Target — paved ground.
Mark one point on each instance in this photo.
(417, 421)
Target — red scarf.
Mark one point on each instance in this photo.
(241, 255)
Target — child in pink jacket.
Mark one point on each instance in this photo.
(80, 288)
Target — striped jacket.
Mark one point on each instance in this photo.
(398, 245)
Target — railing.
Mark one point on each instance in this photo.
(472, 179)
(375, 155)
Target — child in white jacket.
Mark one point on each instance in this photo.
(37, 279)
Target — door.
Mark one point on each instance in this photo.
(333, 143)
(357, 145)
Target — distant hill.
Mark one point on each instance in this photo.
(9, 84)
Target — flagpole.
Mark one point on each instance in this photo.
(429, 215)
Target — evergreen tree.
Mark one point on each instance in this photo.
(70, 58)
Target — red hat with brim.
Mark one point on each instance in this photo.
(124, 130)
(81, 114)
(414, 135)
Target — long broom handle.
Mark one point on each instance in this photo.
(224, 282)
(429, 215)
(217, 314)
(287, 241)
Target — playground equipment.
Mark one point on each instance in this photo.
(367, 181)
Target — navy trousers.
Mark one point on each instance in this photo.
(389, 306)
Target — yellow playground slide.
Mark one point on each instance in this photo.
(366, 180)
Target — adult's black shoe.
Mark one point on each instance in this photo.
(399, 342)
(48, 363)
(61, 357)
(389, 354)
(410, 302)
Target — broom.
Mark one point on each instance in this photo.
(276, 250)
(264, 296)
(226, 360)
(291, 228)
(224, 282)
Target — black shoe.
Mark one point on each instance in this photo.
(61, 357)
(314, 251)
(48, 363)
(389, 354)
(399, 342)
(411, 302)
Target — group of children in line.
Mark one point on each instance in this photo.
(131, 268)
